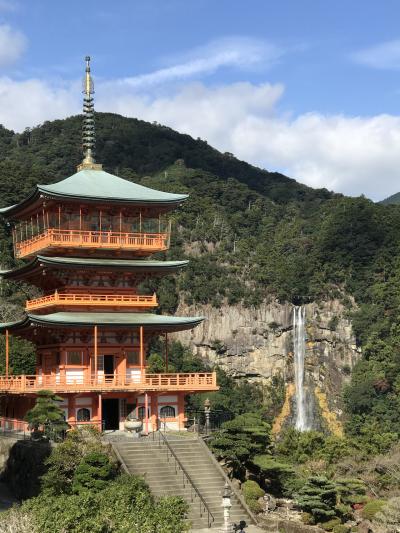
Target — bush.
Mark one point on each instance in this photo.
(341, 528)
(252, 490)
(66, 457)
(371, 508)
(330, 524)
(124, 505)
(307, 518)
(93, 473)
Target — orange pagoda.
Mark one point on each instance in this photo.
(87, 241)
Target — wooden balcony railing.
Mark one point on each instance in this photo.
(205, 381)
(100, 300)
(110, 240)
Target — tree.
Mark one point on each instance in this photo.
(239, 440)
(46, 413)
(67, 456)
(318, 497)
(93, 473)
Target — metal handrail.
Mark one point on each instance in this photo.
(162, 438)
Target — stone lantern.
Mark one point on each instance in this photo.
(207, 409)
(226, 505)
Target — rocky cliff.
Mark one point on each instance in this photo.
(257, 343)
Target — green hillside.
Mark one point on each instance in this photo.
(394, 199)
(250, 234)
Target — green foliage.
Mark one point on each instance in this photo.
(252, 492)
(329, 525)
(278, 476)
(93, 473)
(318, 497)
(371, 508)
(68, 456)
(46, 413)
(251, 235)
(22, 357)
(340, 528)
(351, 491)
(239, 440)
(124, 505)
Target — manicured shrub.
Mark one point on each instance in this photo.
(341, 528)
(371, 508)
(318, 497)
(252, 490)
(93, 473)
(330, 524)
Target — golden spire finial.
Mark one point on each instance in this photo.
(88, 131)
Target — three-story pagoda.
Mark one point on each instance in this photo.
(87, 241)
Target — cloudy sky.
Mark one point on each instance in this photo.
(310, 88)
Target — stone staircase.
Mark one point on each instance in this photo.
(151, 458)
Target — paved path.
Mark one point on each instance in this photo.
(248, 529)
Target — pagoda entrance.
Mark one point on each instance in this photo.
(108, 365)
(110, 412)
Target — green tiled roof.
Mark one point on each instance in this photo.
(97, 185)
(85, 262)
(66, 319)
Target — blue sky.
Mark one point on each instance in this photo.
(309, 87)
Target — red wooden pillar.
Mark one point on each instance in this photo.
(100, 413)
(166, 352)
(95, 354)
(141, 352)
(146, 411)
(7, 353)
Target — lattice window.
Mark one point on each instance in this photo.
(167, 412)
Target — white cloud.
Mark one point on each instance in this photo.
(233, 52)
(12, 44)
(28, 103)
(353, 155)
(382, 56)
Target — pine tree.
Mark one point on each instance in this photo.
(318, 497)
(46, 414)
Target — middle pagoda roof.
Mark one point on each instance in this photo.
(41, 263)
(93, 185)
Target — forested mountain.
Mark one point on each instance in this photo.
(251, 235)
(393, 199)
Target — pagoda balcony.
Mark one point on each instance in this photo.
(51, 238)
(92, 300)
(205, 381)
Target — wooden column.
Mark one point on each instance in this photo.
(95, 354)
(120, 220)
(166, 352)
(141, 353)
(146, 413)
(59, 217)
(7, 353)
(100, 413)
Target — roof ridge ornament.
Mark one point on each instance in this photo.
(88, 128)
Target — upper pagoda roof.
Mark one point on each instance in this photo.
(59, 263)
(94, 185)
(71, 319)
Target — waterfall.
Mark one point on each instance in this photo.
(299, 342)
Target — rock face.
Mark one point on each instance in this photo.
(257, 343)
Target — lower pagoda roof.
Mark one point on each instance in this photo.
(72, 320)
(41, 262)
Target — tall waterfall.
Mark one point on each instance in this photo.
(299, 342)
